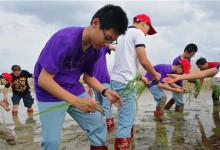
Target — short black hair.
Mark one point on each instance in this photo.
(112, 16)
(191, 48)
(15, 68)
(201, 61)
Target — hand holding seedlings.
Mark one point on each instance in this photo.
(114, 97)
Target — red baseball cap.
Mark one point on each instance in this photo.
(145, 18)
(186, 65)
(8, 77)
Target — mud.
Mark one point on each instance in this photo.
(198, 128)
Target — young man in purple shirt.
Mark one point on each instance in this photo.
(189, 51)
(156, 88)
(70, 53)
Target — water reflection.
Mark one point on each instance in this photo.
(212, 142)
(161, 138)
(178, 139)
(24, 132)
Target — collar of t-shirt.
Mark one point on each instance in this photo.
(132, 27)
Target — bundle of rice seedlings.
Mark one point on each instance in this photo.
(192, 90)
(97, 107)
(216, 90)
(197, 86)
(135, 85)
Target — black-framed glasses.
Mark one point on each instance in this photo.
(106, 38)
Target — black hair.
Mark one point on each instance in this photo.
(15, 68)
(191, 48)
(112, 16)
(201, 61)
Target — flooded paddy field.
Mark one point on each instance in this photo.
(198, 128)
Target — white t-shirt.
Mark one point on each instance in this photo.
(126, 62)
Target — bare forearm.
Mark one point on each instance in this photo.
(166, 87)
(93, 83)
(174, 85)
(148, 67)
(199, 74)
(5, 92)
(54, 88)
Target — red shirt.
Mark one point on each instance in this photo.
(213, 64)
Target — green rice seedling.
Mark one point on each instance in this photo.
(197, 85)
(216, 90)
(135, 85)
(94, 106)
(193, 88)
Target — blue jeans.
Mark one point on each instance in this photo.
(104, 102)
(126, 113)
(178, 98)
(157, 92)
(52, 122)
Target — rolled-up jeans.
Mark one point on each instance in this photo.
(158, 93)
(52, 122)
(178, 98)
(126, 113)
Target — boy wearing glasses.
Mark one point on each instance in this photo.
(129, 54)
(70, 53)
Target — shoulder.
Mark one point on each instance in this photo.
(135, 32)
(25, 72)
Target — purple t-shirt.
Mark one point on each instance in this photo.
(175, 62)
(163, 69)
(101, 70)
(63, 57)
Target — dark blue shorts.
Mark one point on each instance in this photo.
(27, 99)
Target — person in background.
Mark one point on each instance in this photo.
(68, 54)
(202, 64)
(102, 75)
(129, 54)
(156, 88)
(6, 133)
(20, 89)
(5, 79)
(189, 51)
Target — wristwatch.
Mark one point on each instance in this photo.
(103, 92)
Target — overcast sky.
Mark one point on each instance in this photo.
(25, 27)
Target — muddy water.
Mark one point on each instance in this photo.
(197, 129)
